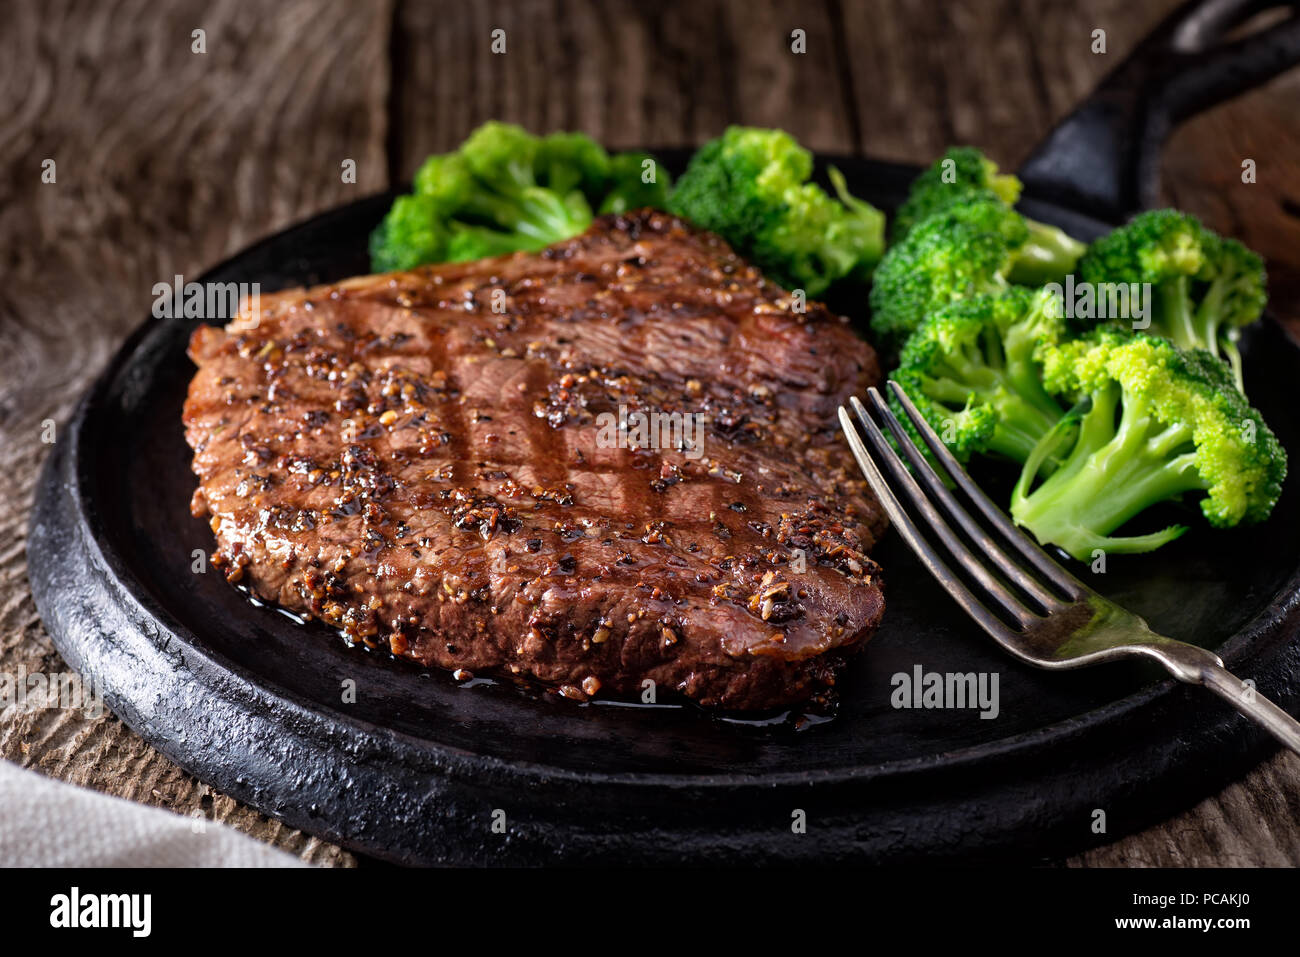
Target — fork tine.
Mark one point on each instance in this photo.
(1049, 568)
(938, 526)
(922, 468)
(908, 529)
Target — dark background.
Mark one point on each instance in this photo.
(168, 161)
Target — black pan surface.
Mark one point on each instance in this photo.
(421, 770)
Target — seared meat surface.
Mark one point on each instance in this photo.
(426, 460)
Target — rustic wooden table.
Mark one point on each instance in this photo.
(167, 160)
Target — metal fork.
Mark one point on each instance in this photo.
(1071, 626)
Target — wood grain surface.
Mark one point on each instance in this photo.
(168, 160)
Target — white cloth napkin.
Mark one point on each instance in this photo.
(47, 823)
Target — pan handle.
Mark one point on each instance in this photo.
(1104, 158)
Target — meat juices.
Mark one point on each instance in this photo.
(448, 462)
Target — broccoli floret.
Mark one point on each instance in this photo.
(443, 182)
(751, 187)
(569, 161)
(413, 232)
(526, 186)
(1153, 423)
(954, 176)
(964, 174)
(966, 427)
(969, 248)
(1204, 287)
(970, 369)
(506, 190)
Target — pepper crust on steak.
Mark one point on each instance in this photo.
(417, 459)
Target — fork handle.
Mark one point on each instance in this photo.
(1252, 704)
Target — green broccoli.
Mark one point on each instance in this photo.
(971, 247)
(963, 174)
(751, 187)
(1151, 423)
(956, 175)
(1205, 287)
(628, 189)
(970, 369)
(413, 232)
(506, 190)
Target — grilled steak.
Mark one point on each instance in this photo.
(450, 462)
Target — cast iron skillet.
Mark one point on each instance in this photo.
(418, 769)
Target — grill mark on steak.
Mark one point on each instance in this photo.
(392, 456)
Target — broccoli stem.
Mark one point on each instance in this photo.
(1112, 473)
(1046, 256)
(863, 260)
(542, 216)
(1228, 344)
(1209, 319)
(1209, 314)
(1020, 427)
(1199, 328)
(548, 218)
(1179, 320)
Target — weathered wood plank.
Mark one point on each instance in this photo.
(167, 161)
